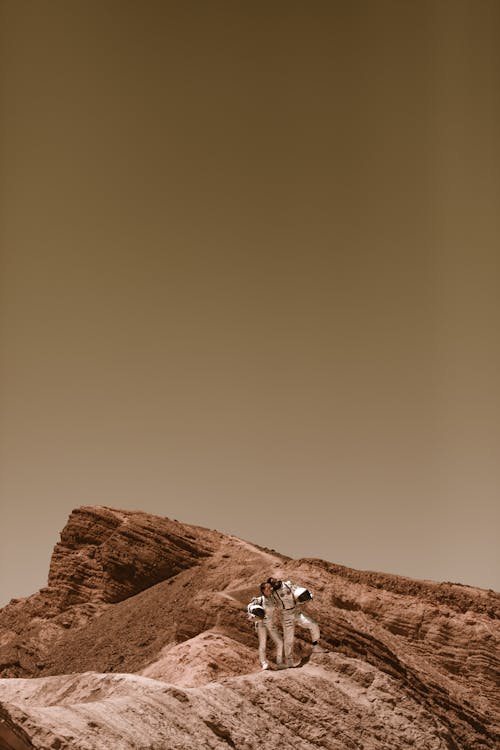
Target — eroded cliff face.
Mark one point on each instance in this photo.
(147, 616)
(105, 556)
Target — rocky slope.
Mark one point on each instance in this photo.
(140, 640)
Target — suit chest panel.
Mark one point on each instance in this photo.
(286, 597)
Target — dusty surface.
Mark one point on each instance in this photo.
(140, 640)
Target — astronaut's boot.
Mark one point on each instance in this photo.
(317, 649)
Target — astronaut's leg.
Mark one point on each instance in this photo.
(306, 621)
(278, 641)
(288, 635)
(262, 634)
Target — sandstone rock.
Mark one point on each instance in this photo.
(104, 556)
(107, 556)
(132, 597)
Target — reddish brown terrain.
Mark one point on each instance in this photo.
(140, 641)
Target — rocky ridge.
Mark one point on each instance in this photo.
(146, 615)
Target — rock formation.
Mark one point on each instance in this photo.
(140, 640)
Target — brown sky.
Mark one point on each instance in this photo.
(250, 276)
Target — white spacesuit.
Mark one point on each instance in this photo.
(261, 611)
(288, 597)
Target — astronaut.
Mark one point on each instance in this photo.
(261, 611)
(287, 597)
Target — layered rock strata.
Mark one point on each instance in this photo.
(105, 556)
(335, 703)
(144, 611)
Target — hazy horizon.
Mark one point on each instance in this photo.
(250, 277)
